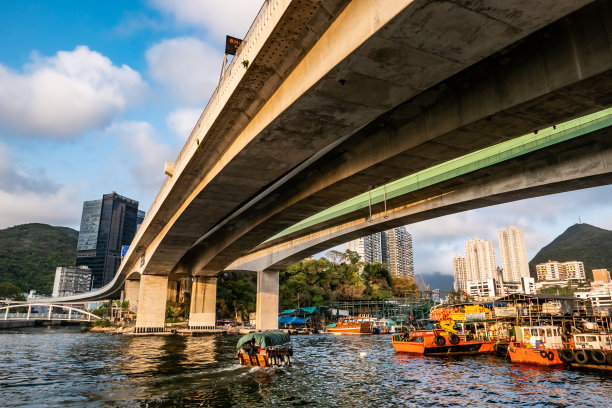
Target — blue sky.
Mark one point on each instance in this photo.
(96, 96)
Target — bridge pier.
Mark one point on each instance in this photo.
(267, 301)
(152, 304)
(132, 290)
(203, 309)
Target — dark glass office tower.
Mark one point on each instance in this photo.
(106, 225)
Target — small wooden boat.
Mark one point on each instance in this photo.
(440, 342)
(536, 345)
(362, 324)
(265, 349)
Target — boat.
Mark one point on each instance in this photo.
(439, 341)
(589, 350)
(536, 345)
(270, 348)
(362, 324)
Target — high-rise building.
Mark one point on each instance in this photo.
(460, 272)
(357, 245)
(376, 248)
(106, 225)
(513, 254)
(70, 280)
(393, 248)
(139, 218)
(401, 261)
(480, 260)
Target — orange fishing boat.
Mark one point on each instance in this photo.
(362, 324)
(440, 342)
(536, 345)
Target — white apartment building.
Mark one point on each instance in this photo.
(70, 280)
(482, 289)
(525, 285)
(392, 248)
(357, 245)
(480, 260)
(574, 270)
(513, 254)
(561, 271)
(600, 296)
(460, 272)
(401, 261)
(376, 248)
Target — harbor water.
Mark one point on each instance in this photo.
(66, 367)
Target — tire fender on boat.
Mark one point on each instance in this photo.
(566, 355)
(543, 353)
(453, 339)
(581, 357)
(439, 340)
(598, 356)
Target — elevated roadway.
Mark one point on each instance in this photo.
(329, 99)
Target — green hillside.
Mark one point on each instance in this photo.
(580, 242)
(29, 254)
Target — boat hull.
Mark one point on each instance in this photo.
(428, 346)
(524, 355)
(352, 328)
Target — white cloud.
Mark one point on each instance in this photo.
(25, 198)
(69, 93)
(183, 120)
(188, 67)
(61, 207)
(219, 18)
(13, 179)
(437, 241)
(144, 154)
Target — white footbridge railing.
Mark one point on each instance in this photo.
(45, 311)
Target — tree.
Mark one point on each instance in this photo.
(10, 291)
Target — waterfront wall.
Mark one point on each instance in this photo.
(13, 324)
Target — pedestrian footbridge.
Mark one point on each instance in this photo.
(46, 312)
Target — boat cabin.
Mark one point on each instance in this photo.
(539, 337)
(593, 341)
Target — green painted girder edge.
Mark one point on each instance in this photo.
(462, 165)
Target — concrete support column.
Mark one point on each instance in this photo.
(267, 301)
(132, 291)
(203, 310)
(152, 304)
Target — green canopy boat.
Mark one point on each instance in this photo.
(265, 339)
(265, 349)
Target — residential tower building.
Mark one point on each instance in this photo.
(513, 254)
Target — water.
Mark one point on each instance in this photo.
(64, 367)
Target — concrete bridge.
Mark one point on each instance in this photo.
(328, 100)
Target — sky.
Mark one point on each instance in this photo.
(96, 96)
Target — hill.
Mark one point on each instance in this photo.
(580, 242)
(29, 254)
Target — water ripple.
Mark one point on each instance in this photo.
(64, 367)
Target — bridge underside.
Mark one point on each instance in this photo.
(580, 163)
(541, 81)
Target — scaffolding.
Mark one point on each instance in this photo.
(398, 309)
